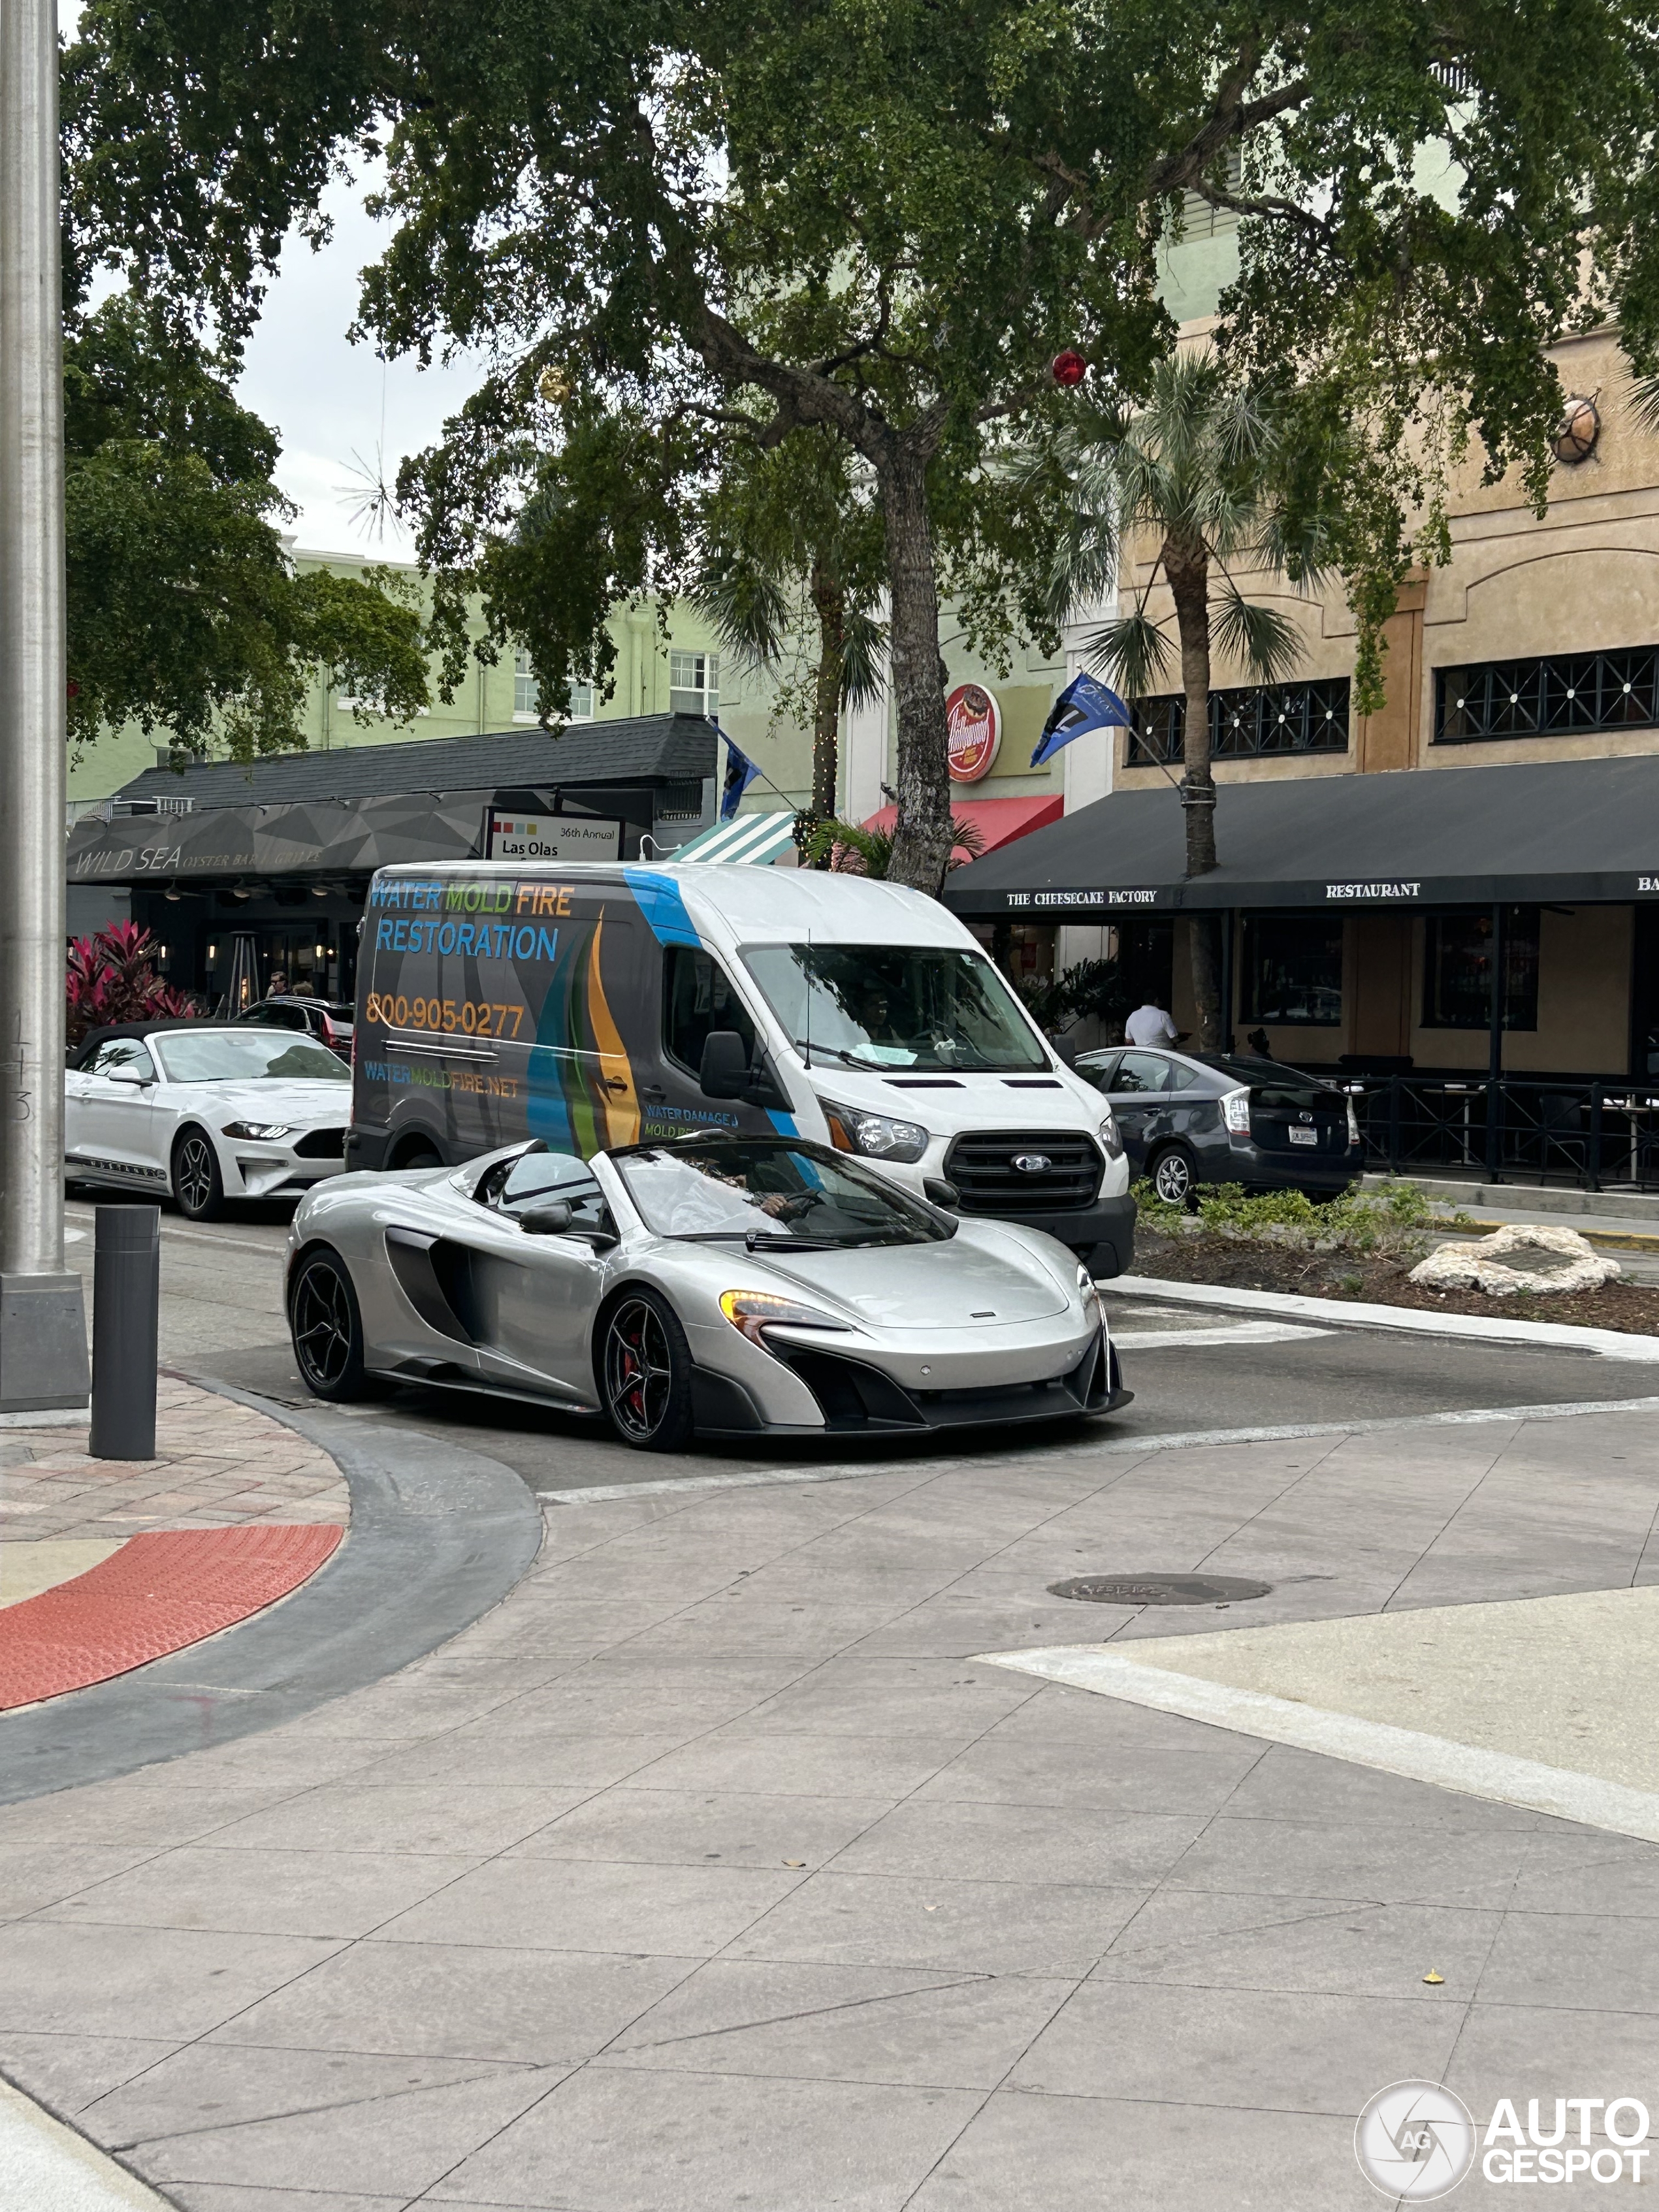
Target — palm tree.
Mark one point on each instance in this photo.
(1206, 469)
(790, 550)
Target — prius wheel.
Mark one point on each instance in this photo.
(646, 1367)
(1174, 1177)
(197, 1186)
(327, 1327)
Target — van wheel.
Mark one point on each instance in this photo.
(199, 1189)
(1174, 1177)
(644, 1372)
(416, 1152)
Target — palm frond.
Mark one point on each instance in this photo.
(1644, 391)
(747, 606)
(1132, 650)
(1268, 642)
(864, 658)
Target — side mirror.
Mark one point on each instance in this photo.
(552, 1218)
(724, 1070)
(129, 1076)
(1064, 1051)
(942, 1193)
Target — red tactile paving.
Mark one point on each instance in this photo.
(161, 1590)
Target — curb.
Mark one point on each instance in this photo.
(1610, 1343)
(1612, 1240)
(438, 1536)
(48, 2166)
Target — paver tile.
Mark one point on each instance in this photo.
(679, 1827)
(104, 1981)
(270, 1893)
(589, 1904)
(1007, 1927)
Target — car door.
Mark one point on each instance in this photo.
(1141, 1085)
(536, 1295)
(115, 1115)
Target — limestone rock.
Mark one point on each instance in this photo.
(1517, 1257)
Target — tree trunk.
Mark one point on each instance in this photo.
(1188, 569)
(831, 603)
(921, 845)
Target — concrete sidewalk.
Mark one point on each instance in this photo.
(708, 1870)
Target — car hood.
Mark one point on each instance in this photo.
(927, 1287)
(305, 1104)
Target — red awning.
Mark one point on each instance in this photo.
(999, 821)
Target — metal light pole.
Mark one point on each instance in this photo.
(43, 1345)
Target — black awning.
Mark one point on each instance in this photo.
(333, 838)
(1556, 831)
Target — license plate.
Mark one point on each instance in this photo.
(1305, 1136)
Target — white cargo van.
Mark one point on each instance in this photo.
(605, 1004)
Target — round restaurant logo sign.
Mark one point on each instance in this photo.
(974, 726)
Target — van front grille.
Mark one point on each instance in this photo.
(981, 1165)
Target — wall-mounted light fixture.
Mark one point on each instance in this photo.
(1579, 429)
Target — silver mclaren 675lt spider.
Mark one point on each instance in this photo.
(712, 1285)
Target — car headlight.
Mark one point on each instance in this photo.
(1088, 1292)
(878, 1136)
(1236, 1112)
(1111, 1142)
(751, 1312)
(262, 1132)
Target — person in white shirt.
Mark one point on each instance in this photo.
(1150, 1024)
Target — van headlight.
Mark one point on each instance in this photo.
(877, 1136)
(1111, 1141)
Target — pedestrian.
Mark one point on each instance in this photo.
(278, 985)
(1151, 1024)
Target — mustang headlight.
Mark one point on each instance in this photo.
(752, 1312)
(261, 1133)
(1112, 1143)
(877, 1136)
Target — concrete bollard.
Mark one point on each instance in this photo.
(126, 1300)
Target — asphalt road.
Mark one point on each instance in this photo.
(1197, 1370)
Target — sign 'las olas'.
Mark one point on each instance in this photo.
(974, 731)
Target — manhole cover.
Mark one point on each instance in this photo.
(1159, 1589)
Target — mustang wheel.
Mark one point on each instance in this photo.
(327, 1327)
(1173, 1178)
(198, 1185)
(646, 1370)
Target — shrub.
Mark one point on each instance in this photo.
(112, 978)
(1391, 1220)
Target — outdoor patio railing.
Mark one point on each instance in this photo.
(1600, 1136)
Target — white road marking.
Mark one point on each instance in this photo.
(1243, 1332)
(51, 2168)
(206, 1237)
(1474, 1417)
(1468, 1768)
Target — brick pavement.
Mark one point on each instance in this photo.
(218, 1465)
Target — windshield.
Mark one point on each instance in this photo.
(246, 1056)
(758, 1191)
(875, 1005)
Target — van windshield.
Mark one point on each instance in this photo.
(883, 1007)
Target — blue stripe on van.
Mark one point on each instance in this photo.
(660, 902)
(783, 1124)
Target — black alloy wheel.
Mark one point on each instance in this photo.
(1174, 1177)
(326, 1325)
(199, 1189)
(646, 1373)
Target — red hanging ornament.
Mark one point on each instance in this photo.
(1070, 367)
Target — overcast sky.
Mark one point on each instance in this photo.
(330, 400)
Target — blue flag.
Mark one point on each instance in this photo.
(1085, 704)
(740, 773)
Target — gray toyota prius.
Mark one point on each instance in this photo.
(1187, 1118)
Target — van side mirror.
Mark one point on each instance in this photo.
(1063, 1050)
(724, 1070)
(552, 1218)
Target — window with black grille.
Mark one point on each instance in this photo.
(1252, 722)
(1560, 694)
